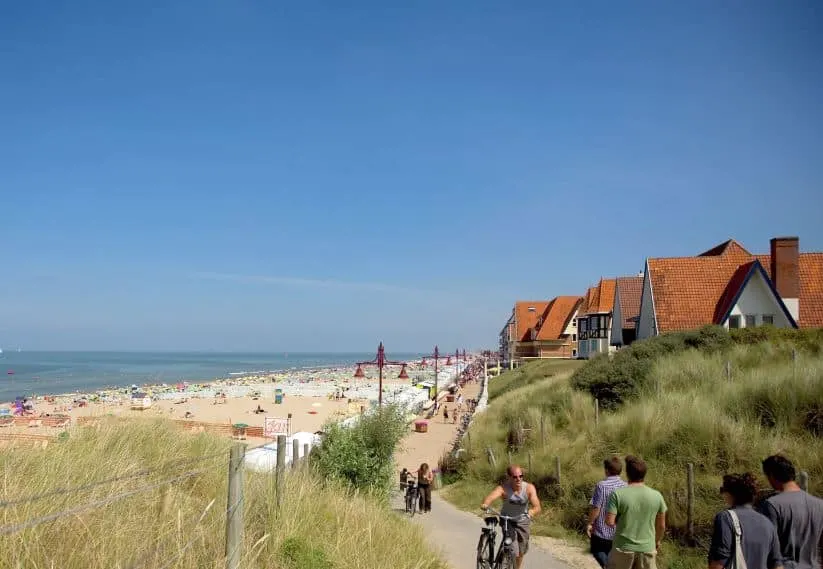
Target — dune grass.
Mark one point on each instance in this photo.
(182, 526)
(687, 411)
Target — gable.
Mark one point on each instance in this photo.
(750, 291)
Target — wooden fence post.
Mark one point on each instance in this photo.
(803, 480)
(690, 502)
(280, 470)
(794, 363)
(557, 468)
(530, 462)
(728, 370)
(306, 453)
(542, 431)
(492, 459)
(295, 453)
(234, 509)
(509, 454)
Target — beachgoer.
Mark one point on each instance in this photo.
(759, 547)
(445, 413)
(424, 481)
(520, 501)
(797, 516)
(600, 535)
(639, 515)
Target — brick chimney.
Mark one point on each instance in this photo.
(785, 254)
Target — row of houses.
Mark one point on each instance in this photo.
(726, 286)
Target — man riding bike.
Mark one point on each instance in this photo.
(519, 502)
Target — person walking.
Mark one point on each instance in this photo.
(600, 535)
(741, 535)
(638, 514)
(797, 516)
(424, 486)
(521, 503)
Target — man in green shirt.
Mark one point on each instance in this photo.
(639, 514)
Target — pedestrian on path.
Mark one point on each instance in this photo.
(601, 535)
(742, 535)
(797, 516)
(638, 514)
(424, 485)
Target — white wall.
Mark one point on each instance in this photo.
(758, 299)
(646, 326)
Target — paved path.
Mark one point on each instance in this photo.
(455, 534)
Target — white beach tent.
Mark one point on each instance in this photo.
(264, 459)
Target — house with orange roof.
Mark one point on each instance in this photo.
(731, 287)
(540, 329)
(627, 293)
(594, 320)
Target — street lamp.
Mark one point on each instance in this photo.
(437, 356)
(380, 361)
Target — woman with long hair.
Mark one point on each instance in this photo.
(424, 484)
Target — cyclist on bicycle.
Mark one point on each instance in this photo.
(519, 502)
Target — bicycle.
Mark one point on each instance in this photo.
(411, 497)
(505, 558)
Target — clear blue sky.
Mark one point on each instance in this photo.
(258, 175)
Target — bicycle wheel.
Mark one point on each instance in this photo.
(413, 508)
(483, 556)
(507, 559)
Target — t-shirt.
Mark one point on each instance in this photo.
(636, 508)
(798, 517)
(761, 550)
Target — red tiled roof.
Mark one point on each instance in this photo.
(630, 290)
(527, 319)
(811, 287)
(688, 290)
(599, 298)
(724, 305)
(557, 315)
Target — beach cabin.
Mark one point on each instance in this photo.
(140, 402)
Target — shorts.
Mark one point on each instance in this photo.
(619, 559)
(521, 531)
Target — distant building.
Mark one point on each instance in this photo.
(730, 287)
(540, 329)
(627, 293)
(594, 320)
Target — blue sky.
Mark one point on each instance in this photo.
(253, 175)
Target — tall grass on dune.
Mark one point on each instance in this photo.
(686, 410)
(182, 525)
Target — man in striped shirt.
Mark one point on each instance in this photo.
(600, 534)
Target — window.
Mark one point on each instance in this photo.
(768, 319)
(574, 337)
(751, 321)
(734, 321)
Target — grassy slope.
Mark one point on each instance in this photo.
(689, 413)
(320, 523)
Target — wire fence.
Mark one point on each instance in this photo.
(233, 512)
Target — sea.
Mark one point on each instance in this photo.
(27, 373)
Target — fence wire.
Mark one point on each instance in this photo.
(15, 528)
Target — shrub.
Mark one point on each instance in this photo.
(297, 553)
(361, 455)
(625, 375)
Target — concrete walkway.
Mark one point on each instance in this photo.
(455, 534)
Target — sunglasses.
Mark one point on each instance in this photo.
(518, 476)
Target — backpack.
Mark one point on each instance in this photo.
(738, 561)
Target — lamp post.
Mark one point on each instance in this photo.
(380, 361)
(437, 356)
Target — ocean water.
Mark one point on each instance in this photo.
(27, 373)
